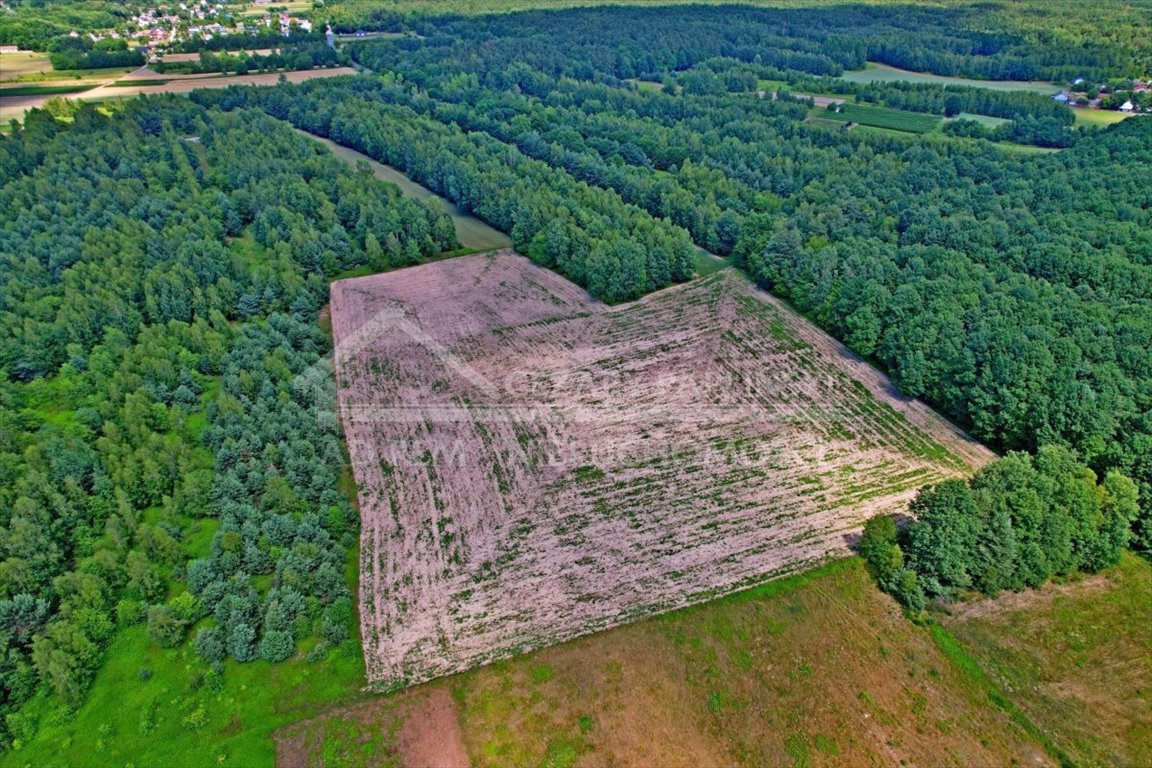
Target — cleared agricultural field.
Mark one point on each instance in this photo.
(881, 117)
(533, 465)
(882, 73)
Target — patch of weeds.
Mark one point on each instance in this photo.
(796, 745)
(825, 744)
(542, 673)
(562, 752)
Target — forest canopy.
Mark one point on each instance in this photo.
(160, 462)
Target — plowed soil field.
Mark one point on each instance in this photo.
(533, 465)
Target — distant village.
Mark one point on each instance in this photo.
(162, 26)
(1130, 96)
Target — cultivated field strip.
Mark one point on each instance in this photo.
(533, 465)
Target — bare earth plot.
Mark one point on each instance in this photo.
(534, 465)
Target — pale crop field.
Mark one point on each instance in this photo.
(882, 73)
(533, 465)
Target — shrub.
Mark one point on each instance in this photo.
(276, 645)
(164, 628)
(186, 607)
(319, 652)
(129, 612)
(242, 642)
(210, 644)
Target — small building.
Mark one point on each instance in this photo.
(1127, 106)
(1061, 98)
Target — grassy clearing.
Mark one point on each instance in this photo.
(1100, 117)
(14, 66)
(984, 120)
(179, 716)
(1076, 659)
(648, 85)
(1025, 149)
(167, 711)
(803, 671)
(882, 73)
(710, 263)
(882, 117)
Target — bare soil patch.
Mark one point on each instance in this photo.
(430, 736)
(416, 729)
(534, 465)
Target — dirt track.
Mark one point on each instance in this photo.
(16, 106)
(534, 466)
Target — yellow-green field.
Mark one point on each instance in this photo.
(882, 73)
(819, 669)
(30, 67)
(1100, 117)
(14, 66)
(1076, 658)
(807, 671)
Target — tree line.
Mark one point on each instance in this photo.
(1015, 524)
(291, 57)
(945, 41)
(585, 232)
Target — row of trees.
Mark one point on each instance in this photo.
(1017, 523)
(587, 233)
(293, 57)
(160, 271)
(83, 53)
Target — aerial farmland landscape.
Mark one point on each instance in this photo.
(533, 465)
(571, 384)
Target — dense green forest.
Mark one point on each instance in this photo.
(160, 462)
(585, 232)
(824, 39)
